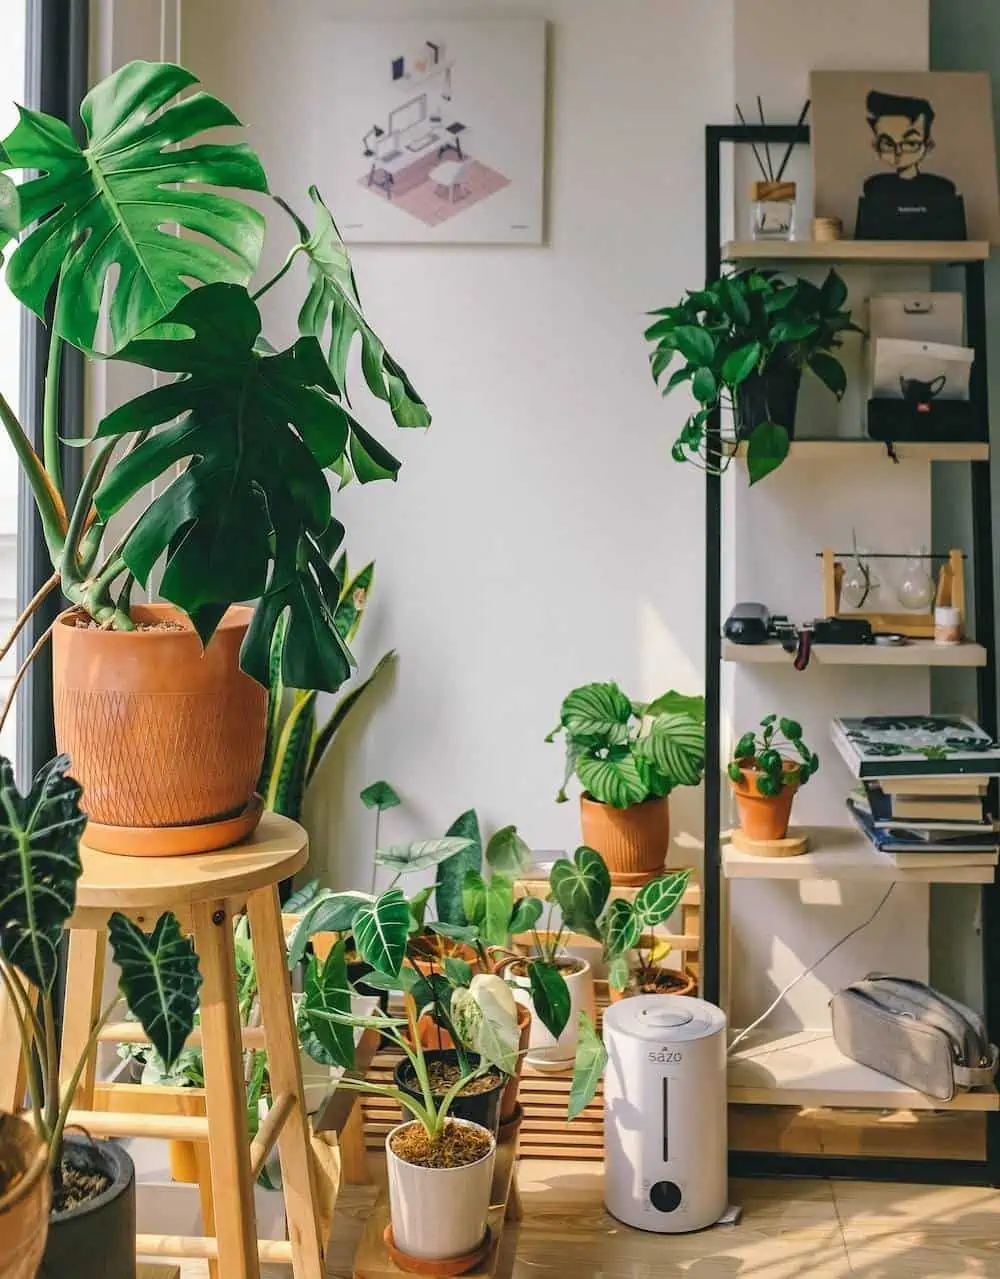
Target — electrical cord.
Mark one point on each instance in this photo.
(812, 968)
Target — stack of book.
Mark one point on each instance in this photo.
(924, 797)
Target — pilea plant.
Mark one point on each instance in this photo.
(624, 752)
(777, 754)
(255, 431)
(734, 335)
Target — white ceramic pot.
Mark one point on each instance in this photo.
(544, 1051)
(439, 1213)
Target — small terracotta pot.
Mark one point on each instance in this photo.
(763, 817)
(633, 841)
(24, 1208)
(508, 1102)
(668, 982)
(160, 732)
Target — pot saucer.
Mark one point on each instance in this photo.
(174, 841)
(428, 1266)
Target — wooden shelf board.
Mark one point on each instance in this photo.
(915, 653)
(864, 450)
(916, 252)
(807, 1069)
(841, 852)
(535, 883)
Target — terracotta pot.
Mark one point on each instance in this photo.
(633, 841)
(24, 1208)
(508, 1102)
(668, 982)
(160, 732)
(763, 817)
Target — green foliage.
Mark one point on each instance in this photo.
(624, 753)
(591, 1058)
(452, 872)
(159, 980)
(419, 854)
(507, 852)
(550, 997)
(778, 755)
(580, 888)
(747, 325)
(379, 795)
(656, 901)
(326, 1040)
(380, 930)
(326, 912)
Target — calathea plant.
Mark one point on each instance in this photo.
(39, 868)
(255, 431)
(742, 343)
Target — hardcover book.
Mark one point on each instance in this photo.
(904, 841)
(880, 746)
(925, 811)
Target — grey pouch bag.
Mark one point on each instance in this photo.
(905, 1029)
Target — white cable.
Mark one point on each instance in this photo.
(812, 968)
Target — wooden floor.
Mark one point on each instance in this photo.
(789, 1230)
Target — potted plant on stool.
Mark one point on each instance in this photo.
(92, 1224)
(766, 771)
(628, 757)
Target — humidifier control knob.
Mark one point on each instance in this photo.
(665, 1196)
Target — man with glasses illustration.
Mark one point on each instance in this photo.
(901, 128)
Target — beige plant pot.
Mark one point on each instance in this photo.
(544, 1051)
(439, 1213)
(633, 841)
(24, 1208)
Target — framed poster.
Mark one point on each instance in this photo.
(905, 138)
(436, 130)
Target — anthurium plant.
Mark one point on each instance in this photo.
(776, 754)
(39, 868)
(241, 438)
(624, 752)
(745, 327)
(623, 926)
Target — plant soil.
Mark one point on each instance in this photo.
(564, 963)
(77, 1186)
(456, 1147)
(443, 1074)
(656, 983)
(85, 623)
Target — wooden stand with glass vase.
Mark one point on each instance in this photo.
(948, 592)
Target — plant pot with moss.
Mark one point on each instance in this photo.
(628, 757)
(25, 1197)
(766, 772)
(163, 707)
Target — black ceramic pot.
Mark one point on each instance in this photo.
(479, 1108)
(771, 396)
(95, 1240)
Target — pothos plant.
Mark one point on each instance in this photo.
(747, 326)
(39, 868)
(624, 752)
(254, 431)
(776, 754)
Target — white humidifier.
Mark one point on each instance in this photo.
(665, 1113)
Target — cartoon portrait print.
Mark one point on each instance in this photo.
(902, 138)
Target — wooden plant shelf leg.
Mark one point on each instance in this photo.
(285, 1070)
(235, 1219)
(82, 1008)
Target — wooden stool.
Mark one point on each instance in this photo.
(205, 892)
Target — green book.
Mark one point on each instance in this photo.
(877, 746)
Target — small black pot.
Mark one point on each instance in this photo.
(95, 1240)
(771, 396)
(480, 1108)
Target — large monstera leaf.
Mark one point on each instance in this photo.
(39, 866)
(332, 314)
(112, 206)
(159, 979)
(250, 515)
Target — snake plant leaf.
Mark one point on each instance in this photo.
(326, 735)
(327, 1040)
(507, 852)
(597, 715)
(419, 854)
(328, 912)
(549, 996)
(612, 777)
(380, 795)
(287, 785)
(332, 314)
(581, 888)
(159, 980)
(676, 745)
(453, 872)
(591, 1059)
(622, 928)
(39, 866)
(246, 516)
(353, 601)
(656, 901)
(381, 929)
(106, 211)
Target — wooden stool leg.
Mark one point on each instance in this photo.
(82, 1007)
(207, 1200)
(285, 1071)
(225, 1094)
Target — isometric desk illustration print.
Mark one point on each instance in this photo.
(446, 130)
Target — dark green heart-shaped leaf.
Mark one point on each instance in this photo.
(109, 212)
(741, 364)
(591, 1058)
(380, 795)
(507, 852)
(328, 1040)
(39, 866)
(527, 913)
(597, 715)
(580, 888)
(329, 912)
(830, 372)
(621, 928)
(549, 996)
(767, 449)
(656, 901)
(704, 386)
(159, 980)
(695, 344)
(452, 872)
(381, 929)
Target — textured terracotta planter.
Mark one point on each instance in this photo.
(763, 817)
(668, 982)
(160, 732)
(24, 1208)
(633, 841)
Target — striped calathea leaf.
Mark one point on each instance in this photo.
(159, 979)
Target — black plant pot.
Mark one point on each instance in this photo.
(771, 396)
(479, 1108)
(95, 1240)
